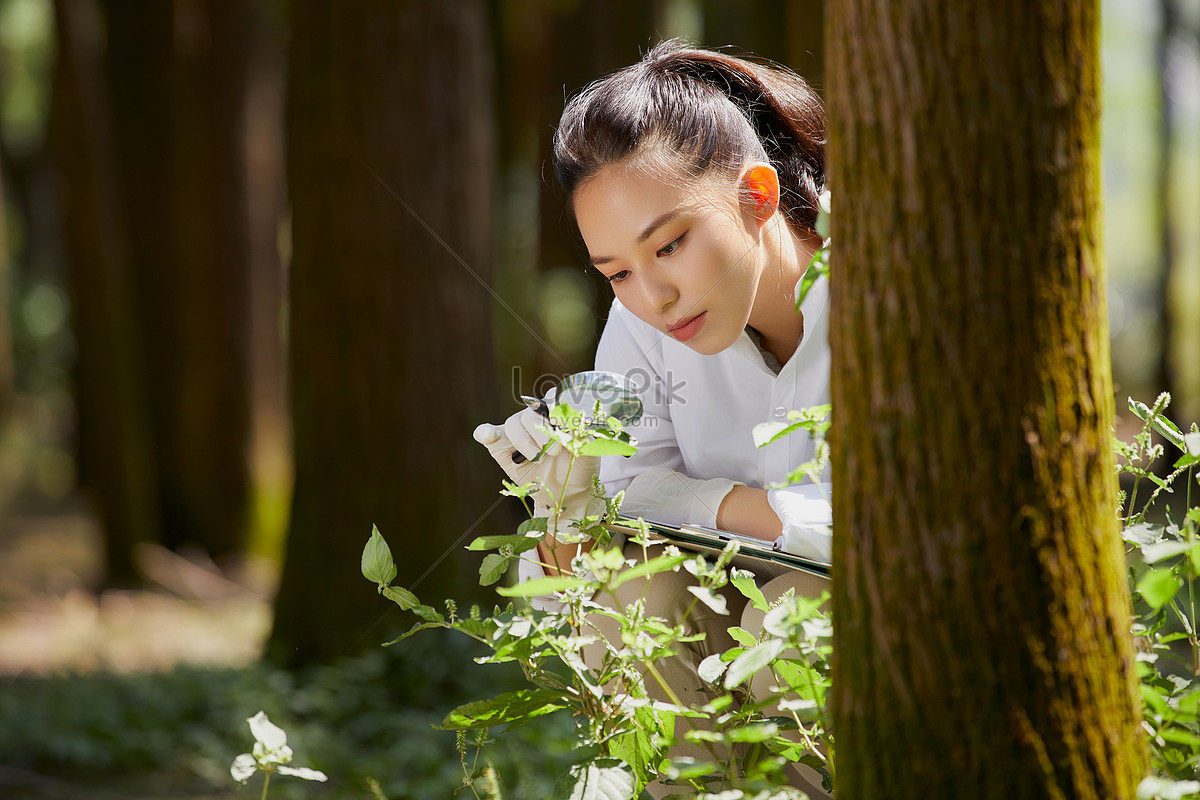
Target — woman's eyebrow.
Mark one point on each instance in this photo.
(648, 231)
(658, 222)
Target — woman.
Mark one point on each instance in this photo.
(694, 178)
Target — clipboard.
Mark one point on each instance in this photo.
(756, 555)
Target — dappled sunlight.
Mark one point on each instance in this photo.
(193, 612)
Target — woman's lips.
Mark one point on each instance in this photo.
(689, 328)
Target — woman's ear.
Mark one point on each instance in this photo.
(760, 191)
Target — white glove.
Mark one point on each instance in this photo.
(807, 519)
(527, 432)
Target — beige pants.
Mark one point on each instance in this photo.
(667, 596)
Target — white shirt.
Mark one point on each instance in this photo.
(695, 437)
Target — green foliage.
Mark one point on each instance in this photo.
(815, 422)
(368, 717)
(624, 736)
(1164, 565)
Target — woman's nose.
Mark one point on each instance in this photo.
(660, 293)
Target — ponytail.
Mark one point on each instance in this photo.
(713, 111)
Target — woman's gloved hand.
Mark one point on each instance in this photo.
(807, 518)
(526, 432)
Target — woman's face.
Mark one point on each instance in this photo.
(682, 260)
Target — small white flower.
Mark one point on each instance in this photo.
(243, 768)
(304, 772)
(1192, 440)
(270, 754)
(270, 736)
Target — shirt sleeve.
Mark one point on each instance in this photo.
(807, 517)
(654, 480)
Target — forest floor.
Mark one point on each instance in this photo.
(54, 622)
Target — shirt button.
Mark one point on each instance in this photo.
(780, 411)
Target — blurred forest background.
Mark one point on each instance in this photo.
(264, 265)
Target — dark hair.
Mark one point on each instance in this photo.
(714, 111)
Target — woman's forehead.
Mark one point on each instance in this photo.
(645, 192)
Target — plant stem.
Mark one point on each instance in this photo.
(266, 783)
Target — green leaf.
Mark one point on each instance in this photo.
(752, 661)
(524, 490)
(685, 768)
(377, 564)
(400, 596)
(759, 732)
(744, 582)
(1164, 426)
(599, 779)
(420, 626)
(743, 636)
(636, 748)
(1158, 586)
(766, 432)
(519, 544)
(429, 613)
(710, 598)
(1152, 553)
(509, 707)
(1143, 533)
(539, 586)
(711, 668)
(493, 568)
(1153, 699)
(1186, 460)
(1179, 736)
(534, 525)
(815, 270)
(651, 567)
(606, 447)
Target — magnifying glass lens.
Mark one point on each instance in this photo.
(597, 395)
(600, 395)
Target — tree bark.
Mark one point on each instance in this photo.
(585, 43)
(114, 438)
(7, 388)
(390, 170)
(1164, 208)
(981, 613)
(178, 81)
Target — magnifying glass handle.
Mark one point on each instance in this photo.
(540, 407)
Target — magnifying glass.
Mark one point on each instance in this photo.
(597, 395)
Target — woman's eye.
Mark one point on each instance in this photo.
(670, 249)
(617, 277)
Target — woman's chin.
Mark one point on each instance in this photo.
(710, 345)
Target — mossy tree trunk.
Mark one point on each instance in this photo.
(980, 608)
(390, 171)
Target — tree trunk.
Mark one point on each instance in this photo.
(270, 446)
(178, 82)
(586, 42)
(114, 438)
(206, 435)
(390, 170)
(1164, 208)
(980, 607)
(7, 389)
